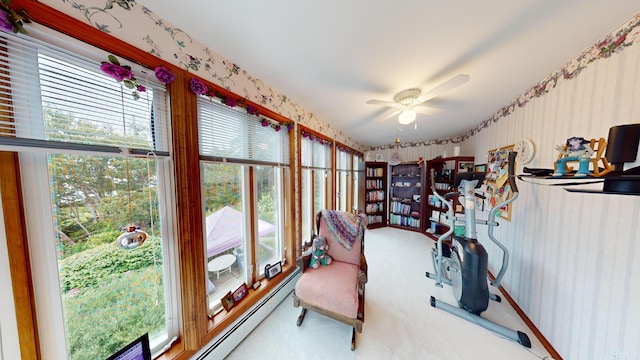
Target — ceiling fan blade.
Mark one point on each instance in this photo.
(442, 88)
(429, 105)
(382, 102)
(427, 109)
(387, 115)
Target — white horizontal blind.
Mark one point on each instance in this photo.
(343, 160)
(52, 99)
(315, 155)
(230, 134)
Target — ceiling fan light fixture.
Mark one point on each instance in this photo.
(406, 117)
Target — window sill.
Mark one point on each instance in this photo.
(223, 319)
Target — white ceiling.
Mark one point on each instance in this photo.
(332, 56)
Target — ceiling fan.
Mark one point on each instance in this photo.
(406, 100)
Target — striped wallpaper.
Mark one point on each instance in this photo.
(573, 255)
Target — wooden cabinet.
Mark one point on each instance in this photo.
(406, 192)
(445, 170)
(376, 194)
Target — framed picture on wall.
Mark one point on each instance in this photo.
(497, 182)
(379, 157)
(480, 168)
(464, 166)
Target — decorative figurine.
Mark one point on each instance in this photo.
(577, 148)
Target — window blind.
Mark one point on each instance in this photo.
(342, 160)
(315, 155)
(230, 134)
(52, 99)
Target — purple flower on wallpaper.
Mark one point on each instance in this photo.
(164, 75)
(229, 101)
(198, 86)
(252, 111)
(116, 71)
(264, 122)
(5, 22)
(620, 40)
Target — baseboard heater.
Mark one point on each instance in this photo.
(223, 344)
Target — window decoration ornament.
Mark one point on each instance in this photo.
(164, 75)
(349, 150)
(12, 20)
(133, 236)
(123, 73)
(198, 87)
(312, 137)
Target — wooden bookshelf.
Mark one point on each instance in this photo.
(406, 191)
(376, 194)
(445, 170)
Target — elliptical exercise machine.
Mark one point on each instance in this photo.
(464, 265)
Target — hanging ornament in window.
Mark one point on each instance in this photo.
(132, 238)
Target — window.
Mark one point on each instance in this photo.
(344, 183)
(347, 163)
(245, 169)
(316, 189)
(358, 181)
(70, 124)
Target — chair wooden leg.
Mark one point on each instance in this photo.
(301, 316)
(353, 339)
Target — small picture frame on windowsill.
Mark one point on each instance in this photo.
(239, 294)
(227, 301)
(271, 271)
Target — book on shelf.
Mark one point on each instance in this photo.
(377, 195)
(374, 219)
(374, 207)
(404, 221)
(400, 208)
(434, 201)
(375, 172)
(374, 184)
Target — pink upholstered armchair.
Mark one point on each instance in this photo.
(336, 290)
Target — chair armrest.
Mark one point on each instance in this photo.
(364, 271)
(362, 280)
(303, 262)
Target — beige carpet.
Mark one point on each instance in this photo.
(399, 323)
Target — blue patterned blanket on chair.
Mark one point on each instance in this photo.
(346, 227)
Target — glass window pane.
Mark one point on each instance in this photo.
(319, 188)
(110, 294)
(343, 193)
(270, 216)
(223, 187)
(307, 211)
(356, 176)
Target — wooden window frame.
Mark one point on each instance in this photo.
(196, 330)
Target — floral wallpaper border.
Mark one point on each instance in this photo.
(140, 27)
